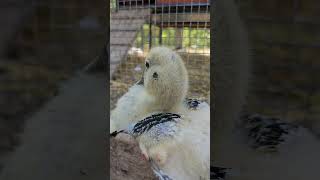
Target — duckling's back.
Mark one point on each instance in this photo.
(129, 108)
(190, 158)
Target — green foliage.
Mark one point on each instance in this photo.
(191, 37)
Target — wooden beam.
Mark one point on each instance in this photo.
(196, 17)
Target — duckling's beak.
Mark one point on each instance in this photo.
(141, 81)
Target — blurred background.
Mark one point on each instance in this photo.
(42, 43)
(285, 37)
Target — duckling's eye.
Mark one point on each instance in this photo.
(155, 75)
(147, 64)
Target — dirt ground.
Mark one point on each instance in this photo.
(126, 162)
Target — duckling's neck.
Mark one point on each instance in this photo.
(169, 103)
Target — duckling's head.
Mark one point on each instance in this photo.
(165, 77)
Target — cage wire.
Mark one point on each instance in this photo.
(138, 25)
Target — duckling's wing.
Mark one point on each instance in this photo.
(156, 126)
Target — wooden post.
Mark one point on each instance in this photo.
(160, 35)
(150, 32)
(179, 35)
(190, 29)
(142, 38)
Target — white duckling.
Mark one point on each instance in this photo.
(297, 150)
(186, 154)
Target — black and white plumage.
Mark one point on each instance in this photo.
(162, 124)
(159, 124)
(192, 104)
(157, 127)
(267, 133)
(195, 104)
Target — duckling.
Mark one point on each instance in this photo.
(153, 92)
(297, 156)
(186, 154)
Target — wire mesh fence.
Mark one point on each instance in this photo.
(138, 25)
